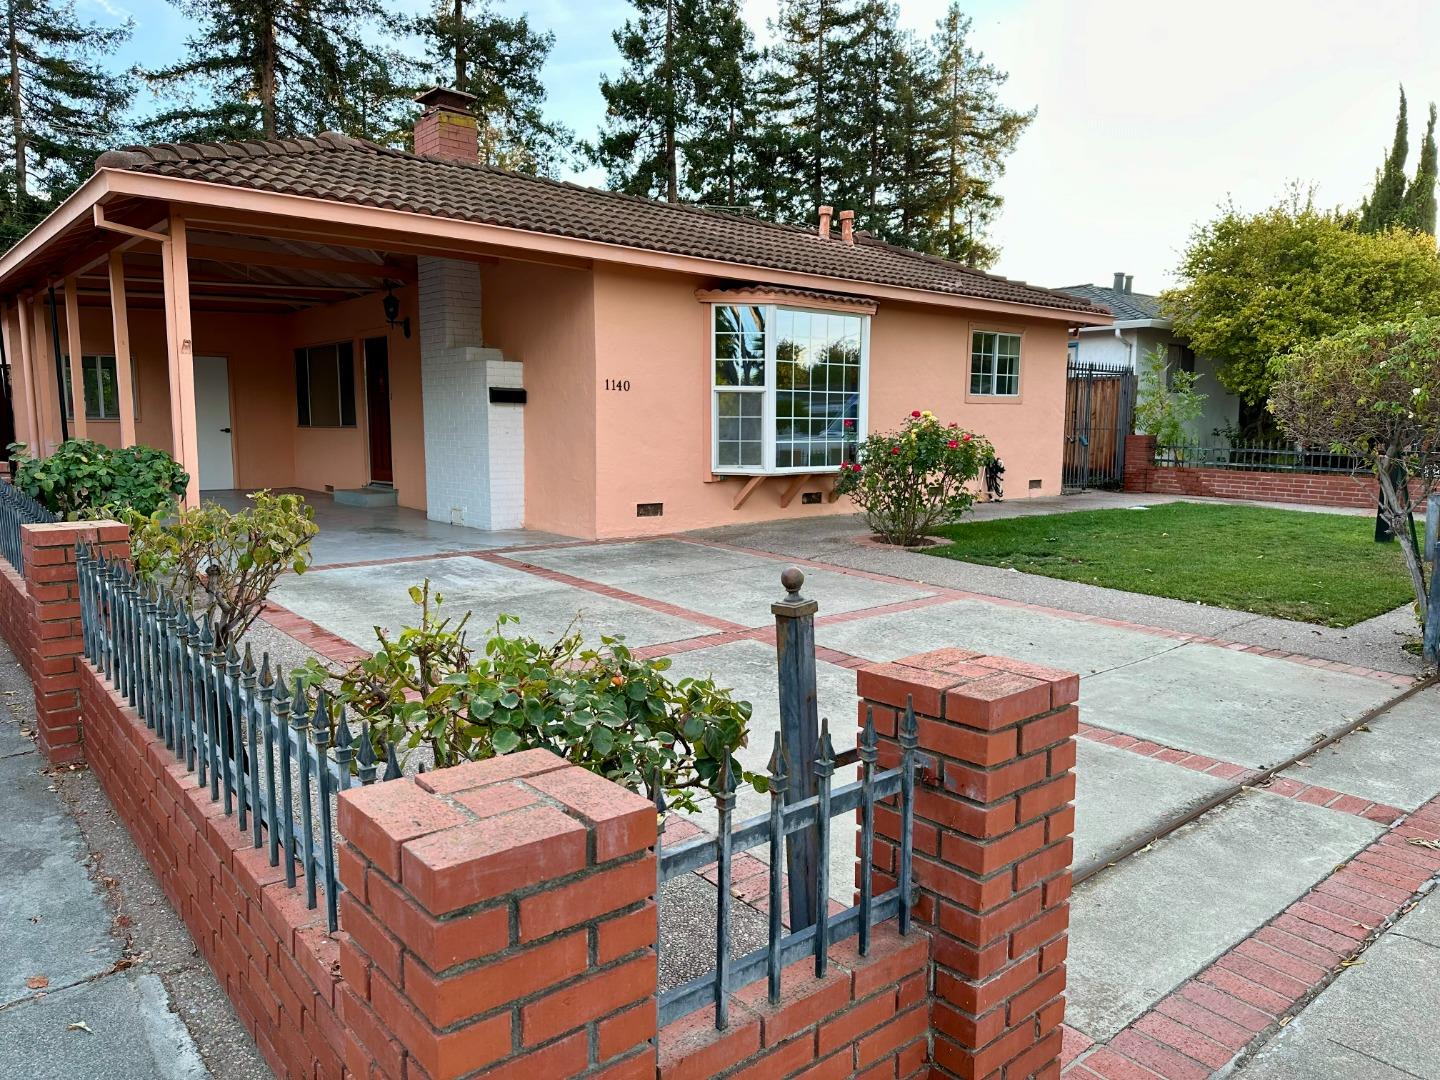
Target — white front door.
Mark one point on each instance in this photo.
(212, 421)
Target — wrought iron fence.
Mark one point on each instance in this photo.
(785, 821)
(274, 756)
(1273, 455)
(16, 509)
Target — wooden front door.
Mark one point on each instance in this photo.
(377, 404)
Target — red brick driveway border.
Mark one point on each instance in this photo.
(1239, 1001)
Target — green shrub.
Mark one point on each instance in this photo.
(224, 563)
(600, 708)
(1169, 402)
(909, 481)
(85, 479)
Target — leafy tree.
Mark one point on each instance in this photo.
(1386, 202)
(1373, 392)
(678, 117)
(805, 91)
(1168, 401)
(1418, 210)
(976, 133)
(65, 107)
(498, 60)
(1256, 286)
(271, 69)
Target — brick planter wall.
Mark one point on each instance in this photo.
(992, 837)
(275, 959)
(499, 918)
(40, 618)
(1306, 489)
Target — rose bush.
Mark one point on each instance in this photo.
(908, 481)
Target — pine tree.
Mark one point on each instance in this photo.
(272, 69)
(804, 92)
(718, 145)
(678, 117)
(498, 60)
(976, 133)
(64, 106)
(1386, 202)
(1418, 209)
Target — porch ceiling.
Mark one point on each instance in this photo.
(229, 269)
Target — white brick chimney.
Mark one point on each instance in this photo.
(474, 448)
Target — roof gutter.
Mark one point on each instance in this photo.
(1138, 324)
(410, 226)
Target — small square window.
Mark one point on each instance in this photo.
(994, 364)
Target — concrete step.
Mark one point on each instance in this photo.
(373, 495)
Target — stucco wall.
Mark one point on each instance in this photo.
(544, 318)
(653, 442)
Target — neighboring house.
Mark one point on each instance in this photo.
(499, 350)
(1138, 328)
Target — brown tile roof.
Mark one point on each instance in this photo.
(331, 166)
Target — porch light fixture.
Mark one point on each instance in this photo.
(391, 304)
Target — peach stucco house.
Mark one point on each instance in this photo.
(499, 350)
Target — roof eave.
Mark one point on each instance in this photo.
(412, 225)
(77, 206)
(1135, 324)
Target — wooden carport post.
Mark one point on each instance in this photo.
(181, 355)
(17, 348)
(120, 320)
(78, 429)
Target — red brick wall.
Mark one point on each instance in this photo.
(1306, 489)
(994, 815)
(275, 959)
(40, 618)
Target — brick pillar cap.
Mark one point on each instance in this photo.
(964, 685)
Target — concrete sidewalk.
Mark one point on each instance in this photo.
(98, 977)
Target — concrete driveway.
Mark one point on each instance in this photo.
(1176, 724)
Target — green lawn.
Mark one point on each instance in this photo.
(1319, 568)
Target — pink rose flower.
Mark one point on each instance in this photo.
(916, 414)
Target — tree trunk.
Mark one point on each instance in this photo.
(672, 171)
(1395, 507)
(459, 31)
(267, 78)
(17, 112)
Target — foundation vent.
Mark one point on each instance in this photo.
(811, 498)
(649, 509)
(1035, 485)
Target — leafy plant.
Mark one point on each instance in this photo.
(1373, 392)
(85, 479)
(221, 562)
(909, 481)
(1257, 286)
(1167, 401)
(600, 708)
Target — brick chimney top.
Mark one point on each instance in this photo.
(847, 226)
(447, 128)
(826, 212)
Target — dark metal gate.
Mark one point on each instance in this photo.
(1099, 409)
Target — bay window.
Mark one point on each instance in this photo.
(789, 387)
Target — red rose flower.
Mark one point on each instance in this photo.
(968, 438)
(952, 444)
(894, 449)
(953, 424)
(849, 423)
(916, 414)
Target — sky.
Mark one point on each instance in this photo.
(1151, 113)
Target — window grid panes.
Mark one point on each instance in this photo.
(102, 394)
(788, 387)
(994, 364)
(817, 388)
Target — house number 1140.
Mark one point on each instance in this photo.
(618, 384)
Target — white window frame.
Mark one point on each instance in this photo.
(994, 370)
(768, 391)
